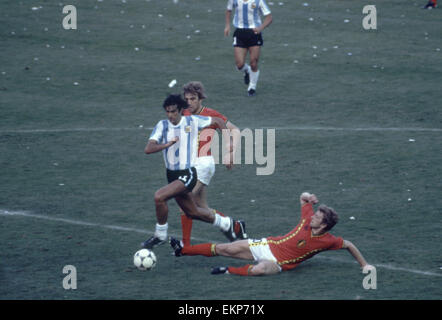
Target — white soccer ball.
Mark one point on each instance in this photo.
(145, 259)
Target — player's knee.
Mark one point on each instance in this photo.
(257, 270)
(158, 197)
(191, 215)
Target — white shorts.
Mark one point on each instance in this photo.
(205, 169)
(261, 251)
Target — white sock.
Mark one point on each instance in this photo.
(222, 222)
(161, 231)
(253, 79)
(245, 67)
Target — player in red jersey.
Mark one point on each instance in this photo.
(193, 93)
(276, 254)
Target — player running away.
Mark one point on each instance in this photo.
(282, 253)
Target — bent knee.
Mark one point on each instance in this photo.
(257, 270)
(191, 215)
(158, 197)
(265, 268)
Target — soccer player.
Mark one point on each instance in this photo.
(276, 254)
(431, 4)
(247, 37)
(177, 137)
(194, 94)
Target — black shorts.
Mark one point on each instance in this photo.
(187, 176)
(245, 38)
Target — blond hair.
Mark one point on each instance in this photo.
(195, 87)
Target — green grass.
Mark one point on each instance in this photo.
(74, 153)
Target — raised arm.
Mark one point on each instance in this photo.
(307, 197)
(355, 253)
(153, 145)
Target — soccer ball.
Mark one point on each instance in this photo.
(145, 259)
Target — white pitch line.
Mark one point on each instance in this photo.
(370, 129)
(301, 128)
(77, 222)
(68, 130)
(143, 231)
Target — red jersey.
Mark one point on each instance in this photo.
(300, 244)
(207, 133)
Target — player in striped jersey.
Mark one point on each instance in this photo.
(177, 138)
(276, 254)
(205, 164)
(247, 37)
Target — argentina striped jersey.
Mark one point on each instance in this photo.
(248, 12)
(182, 154)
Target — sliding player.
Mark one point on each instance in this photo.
(276, 254)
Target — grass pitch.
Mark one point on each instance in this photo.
(357, 119)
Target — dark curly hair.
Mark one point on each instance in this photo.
(175, 100)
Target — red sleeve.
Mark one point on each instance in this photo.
(307, 210)
(336, 243)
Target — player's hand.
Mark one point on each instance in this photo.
(313, 199)
(226, 31)
(307, 197)
(256, 30)
(174, 140)
(368, 267)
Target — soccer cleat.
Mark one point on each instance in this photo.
(240, 229)
(236, 231)
(220, 270)
(152, 242)
(251, 92)
(176, 246)
(246, 77)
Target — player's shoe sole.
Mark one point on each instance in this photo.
(152, 242)
(251, 92)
